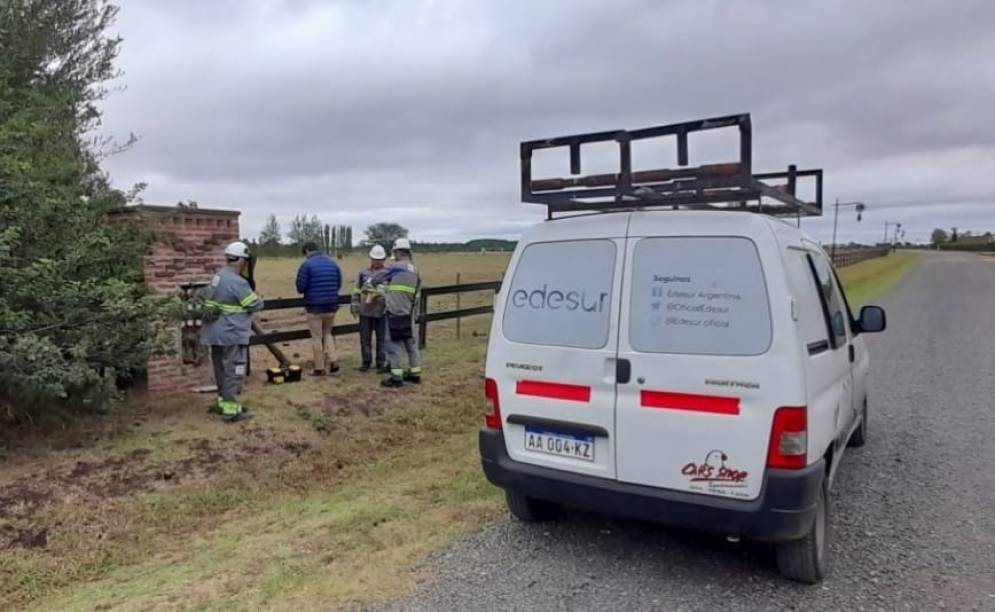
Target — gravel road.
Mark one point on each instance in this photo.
(914, 510)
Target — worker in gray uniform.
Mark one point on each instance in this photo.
(402, 285)
(368, 305)
(229, 302)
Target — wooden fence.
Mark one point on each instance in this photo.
(853, 256)
(425, 317)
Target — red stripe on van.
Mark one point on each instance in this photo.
(573, 393)
(689, 401)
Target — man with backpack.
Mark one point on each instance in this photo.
(369, 305)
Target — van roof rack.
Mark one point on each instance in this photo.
(724, 186)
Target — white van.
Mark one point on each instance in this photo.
(694, 368)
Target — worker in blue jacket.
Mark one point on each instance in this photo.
(319, 280)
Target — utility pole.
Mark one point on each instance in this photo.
(897, 225)
(860, 206)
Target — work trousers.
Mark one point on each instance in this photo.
(229, 373)
(322, 340)
(368, 327)
(396, 350)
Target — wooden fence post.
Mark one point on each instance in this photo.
(422, 319)
(459, 320)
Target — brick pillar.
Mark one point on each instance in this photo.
(190, 248)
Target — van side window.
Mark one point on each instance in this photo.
(561, 294)
(832, 303)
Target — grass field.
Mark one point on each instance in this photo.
(875, 276)
(327, 499)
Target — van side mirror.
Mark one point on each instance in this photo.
(872, 319)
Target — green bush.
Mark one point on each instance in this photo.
(75, 317)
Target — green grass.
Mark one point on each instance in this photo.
(323, 548)
(386, 478)
(875, 277)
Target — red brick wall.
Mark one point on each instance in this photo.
(189, 249)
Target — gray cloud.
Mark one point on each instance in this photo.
(412, 110)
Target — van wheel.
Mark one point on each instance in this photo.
(859, 437)
(530, 509)
(805, 560)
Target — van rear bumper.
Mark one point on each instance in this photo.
(784, 510)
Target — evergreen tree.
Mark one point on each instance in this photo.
(75, 316)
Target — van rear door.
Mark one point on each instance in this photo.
(552, 353)
(697, 329)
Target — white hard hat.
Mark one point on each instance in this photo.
(237, 249)
(402, 244)
(377, 252)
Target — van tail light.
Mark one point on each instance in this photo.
(788, 439)
(493, 418)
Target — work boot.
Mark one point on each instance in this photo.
(392, 382)
(332, 369)
(317, 372)
(412, 378)
(364, 368)
(382, 369)
(245, 415)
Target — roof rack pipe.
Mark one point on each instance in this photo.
(682, 148)
(642, 176)
(746, 144)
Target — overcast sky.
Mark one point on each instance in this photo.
(412, 111)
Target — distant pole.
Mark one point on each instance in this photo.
(836, 218)
(459, 321)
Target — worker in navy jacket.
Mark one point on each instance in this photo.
(319, 280)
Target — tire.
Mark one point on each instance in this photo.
(530, 509)
(859, 436)
(805, 560)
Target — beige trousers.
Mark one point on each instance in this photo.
(322, 341)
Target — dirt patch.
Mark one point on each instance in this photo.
(20, 500)
(365, 402)
(13, 537)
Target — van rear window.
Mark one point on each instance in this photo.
(561, 294)
(698, 296)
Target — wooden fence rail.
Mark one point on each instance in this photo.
(424, 317)
(848, 258)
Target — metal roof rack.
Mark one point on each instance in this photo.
(725, 186)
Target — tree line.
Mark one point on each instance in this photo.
(338, 239)
(965, 240)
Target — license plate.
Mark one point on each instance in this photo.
(562, 445)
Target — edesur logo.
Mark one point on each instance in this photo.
(555, 299)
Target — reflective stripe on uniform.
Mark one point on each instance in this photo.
(402, 288)
(249, 299)
(415, 370)
(226, 308)
(397, 372)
